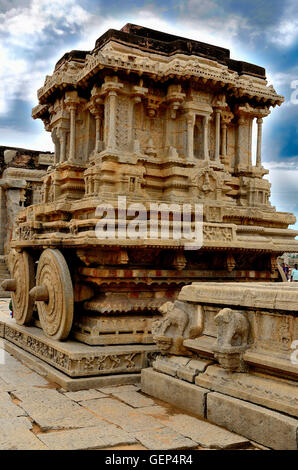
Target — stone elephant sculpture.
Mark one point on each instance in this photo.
(233, 329)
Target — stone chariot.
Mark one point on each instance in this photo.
(155, 119)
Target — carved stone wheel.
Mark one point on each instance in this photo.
(54, 294)
(22, 273)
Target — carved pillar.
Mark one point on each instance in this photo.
(206, 137)
(56, 144)
(98, 124)
(259, 143)
(240, 140)
(72, 140)
(111, 137)
(72, 101)
(250, 122)
(217, 134)
(169, 124)
(223, 140)
(190, 135)
(96, 108)
(62, 137)
(3, 218)
(225, 119)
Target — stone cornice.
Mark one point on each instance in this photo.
(114, 57)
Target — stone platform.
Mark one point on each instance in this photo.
(36, 414)
(107, 330)
(76, 359)
(240, 369)
(241, 403)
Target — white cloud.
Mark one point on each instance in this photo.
(284, 190)
(285, 34)
(14, 138)
(285, 164)
(23, 29)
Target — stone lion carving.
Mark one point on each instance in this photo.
(180, 321)
(232, 339)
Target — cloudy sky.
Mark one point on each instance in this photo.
(34, 34)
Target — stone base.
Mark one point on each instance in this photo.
(66, 382)
(270, 392)
(263, 408)
(109, 330)
(77, 359)
(176, 392)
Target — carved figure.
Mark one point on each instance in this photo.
(181, 321)
(233, 328)
(232, 339)
(174, 315)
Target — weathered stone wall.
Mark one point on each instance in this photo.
(21, 173)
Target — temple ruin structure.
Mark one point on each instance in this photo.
(145, 126)
(21, 174)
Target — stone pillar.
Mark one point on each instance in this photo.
(3, 219)
(72, 101)
(111, 137)
(95, 108)
(217, 134)
(250, 122)
(259, 143)
(98, 123)
(223, 140)
(169, 121)
(72, 139)
(206, 138)
(14, 196)
(56, 142)
(190, 135)
(62, 145)
(240, 141)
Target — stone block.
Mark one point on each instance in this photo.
(156, 411)
(87, 438)
(122, 415)
(9, 155)
(192, 369)
(264, 426)
(101, 330)
(134, 399)
(178, 393)
(119, 388)
(259, 389)
(84, 395)
(206, 434)
(169, 364)
(8, 409)
(164, 439)
(16, 435)
(52, 410)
